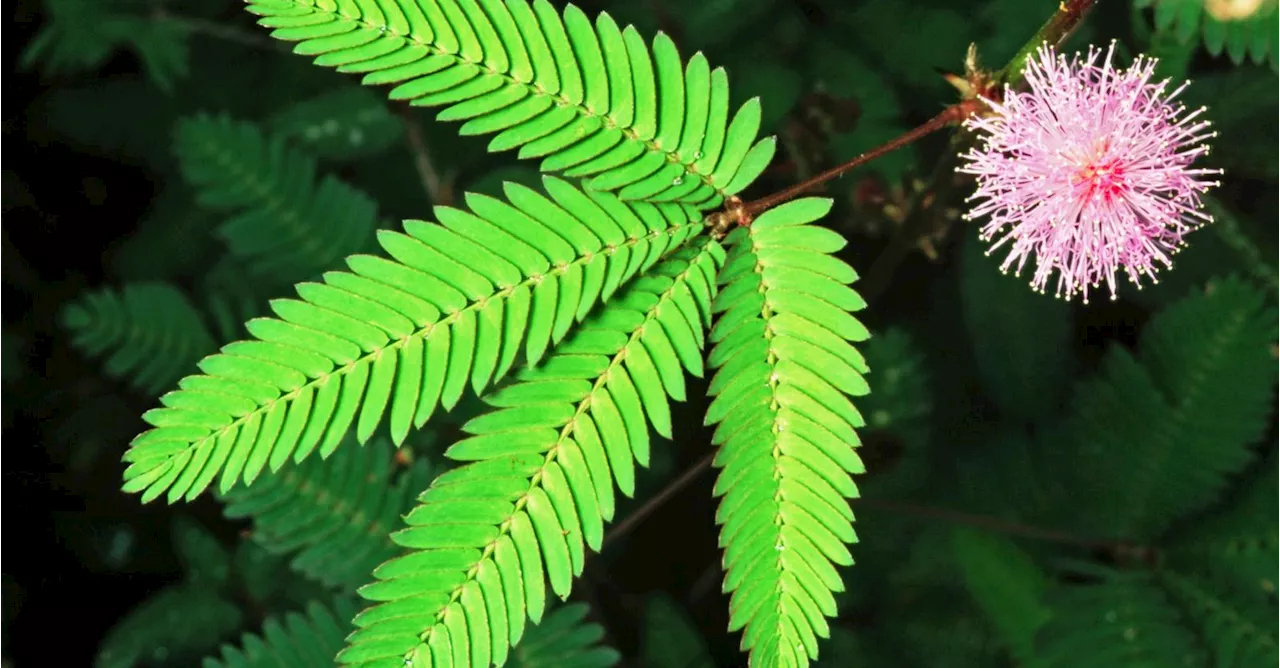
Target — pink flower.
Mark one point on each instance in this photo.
(1089, 171)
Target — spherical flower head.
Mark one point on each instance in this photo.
(1089, 170)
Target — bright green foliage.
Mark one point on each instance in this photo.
(1239, 28)
(1021, 339)
(1006, 583)
(452, 310)
(184, 619)
(346, 123)
(785, 428)
(334, 513)
(1124, 621)
(83, 34)
(589, 100)
(1155, 437)
(670, 638)
(148, 333)
(286, 227)
(1239, 630)
(489, 535)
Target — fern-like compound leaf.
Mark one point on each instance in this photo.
(456, 306)
(148, 333)
(81, 35)
(1158, 436)
(147, 634)
(490, 535)
(1241, 29)
(564, 638)
(287, 226)
(1124, 622)
(1238, 629)
(1238, 543)
(334, 513)
(589, 99)
(785, 427)
(296, 640)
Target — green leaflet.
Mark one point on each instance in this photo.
(400, 336)
(149, 333)
(785, 429)
(540, 483)
(1006, 583)
(1250, 35)
(334, 513)
(590, 99)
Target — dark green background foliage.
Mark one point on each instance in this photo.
(1047, 484)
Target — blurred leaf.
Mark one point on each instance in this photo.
(126, 119)
(714, 22)
(1236, 544)
(856, 649)
(13, 361)
(285, 224)
(1006, 583)
(346, 123)
(842, 73)
(178, 624)
(896, 441)
(148, 333)
(1242, 103)
(1239, 630)
(206, 562)
(1021, 339)
(172, 240)
(778, 87)
(670, 638)
(294, 640)
(1156, 437)
(1234, 233)
(1238, 28)
(1123, 622)
(81, 35)
(910, 41)
(564, 638)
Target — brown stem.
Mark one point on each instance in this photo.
(953, 114)
(915, 224)
(432, 182)
(228, 33)
(626, 525)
